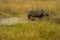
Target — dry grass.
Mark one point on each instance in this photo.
(16, 8)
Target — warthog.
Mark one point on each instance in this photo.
(37, 13)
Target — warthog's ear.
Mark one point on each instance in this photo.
(43, 11)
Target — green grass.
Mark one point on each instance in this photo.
(41, 30)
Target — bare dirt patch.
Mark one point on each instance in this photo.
(12, 20)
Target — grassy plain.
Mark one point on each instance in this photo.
(33, 30)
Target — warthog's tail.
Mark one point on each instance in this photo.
(47, 15)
